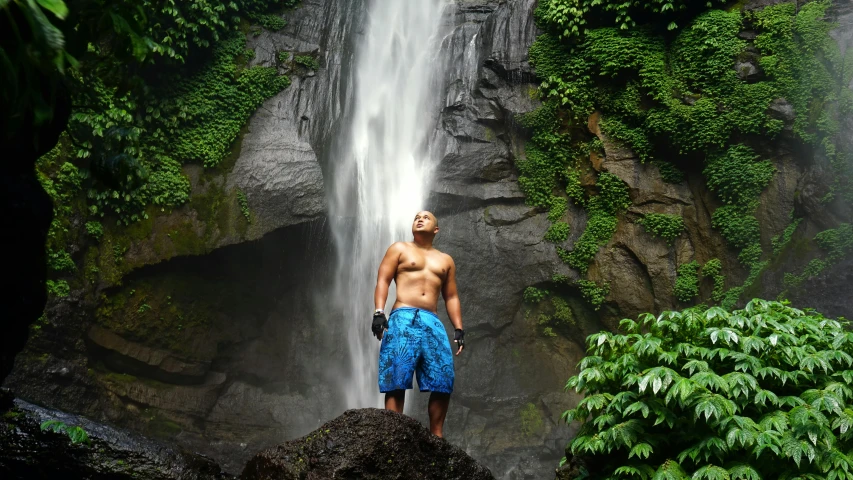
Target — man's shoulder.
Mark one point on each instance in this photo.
(399, 246)
(445, 256)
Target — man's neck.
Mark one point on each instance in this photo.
(423, 241)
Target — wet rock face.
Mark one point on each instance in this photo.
(366, 444)
(244, 375)
(279, 166)
(26, 452)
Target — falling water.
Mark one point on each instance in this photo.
(381, 176)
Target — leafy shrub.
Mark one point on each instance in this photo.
(737, 225)
(269, 21)
(612, 199)
(713, 269)
(562, 313)
(599, 230)
(283, 56)
(737, 177)
(58, 288)
(558, 208)
(593, 293)
(687, 282)
(60, 261)
(571, 17)
(534, 295)
(750, 255)
(307, 61)
(95, 229)
(667, 227)
(836, 242)
(761, 392)
(558, 232)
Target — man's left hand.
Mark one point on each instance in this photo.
(459, 338)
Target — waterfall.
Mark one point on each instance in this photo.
(381, 173)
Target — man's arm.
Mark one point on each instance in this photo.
(451, 299)
(387, 272)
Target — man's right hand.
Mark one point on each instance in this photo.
(380, 324)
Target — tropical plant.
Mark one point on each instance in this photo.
(758, 393)
(75, 434)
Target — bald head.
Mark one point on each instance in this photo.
(425, 222)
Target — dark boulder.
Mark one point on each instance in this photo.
(27, 452)
(366, 444)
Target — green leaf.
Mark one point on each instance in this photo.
(641, 451)
(742, 471)
(78, 435)
(53, 426)
(711, 472)
(57, 7)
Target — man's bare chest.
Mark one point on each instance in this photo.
(415, 262)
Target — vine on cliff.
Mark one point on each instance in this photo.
(183, 97)
(670, 92)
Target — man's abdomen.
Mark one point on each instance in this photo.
(416, 289)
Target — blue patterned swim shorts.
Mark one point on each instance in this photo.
(415, 342)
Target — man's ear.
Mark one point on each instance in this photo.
(435, 232)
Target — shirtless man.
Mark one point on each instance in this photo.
(413, 338)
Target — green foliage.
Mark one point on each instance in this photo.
(533, 295)
(611, 200)
(269, 21)
(557, 233)
(780, 241)
(562, 313)
(559, 206)
(674, 98)
(756, 393)
(192, 116)
(713, 269)
(75, 434)
(95, 229)
(799, 55)
(599, 230)
(737, 225)
(667, 227)
(687, 282)
(593, 293)
(669, 172)
(837, 244)
(58, 288)
(731, 297)
(736, 176)
(244, 206)
(569, 18)
(60, 261)
(283, 57)
(307, 61)
(531, 420)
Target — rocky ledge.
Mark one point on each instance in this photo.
(27, 452)
(366, 444)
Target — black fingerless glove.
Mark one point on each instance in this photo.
(459, 338)
(380, 323)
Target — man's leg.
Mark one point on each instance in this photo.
(394, 400)
(438, 403)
